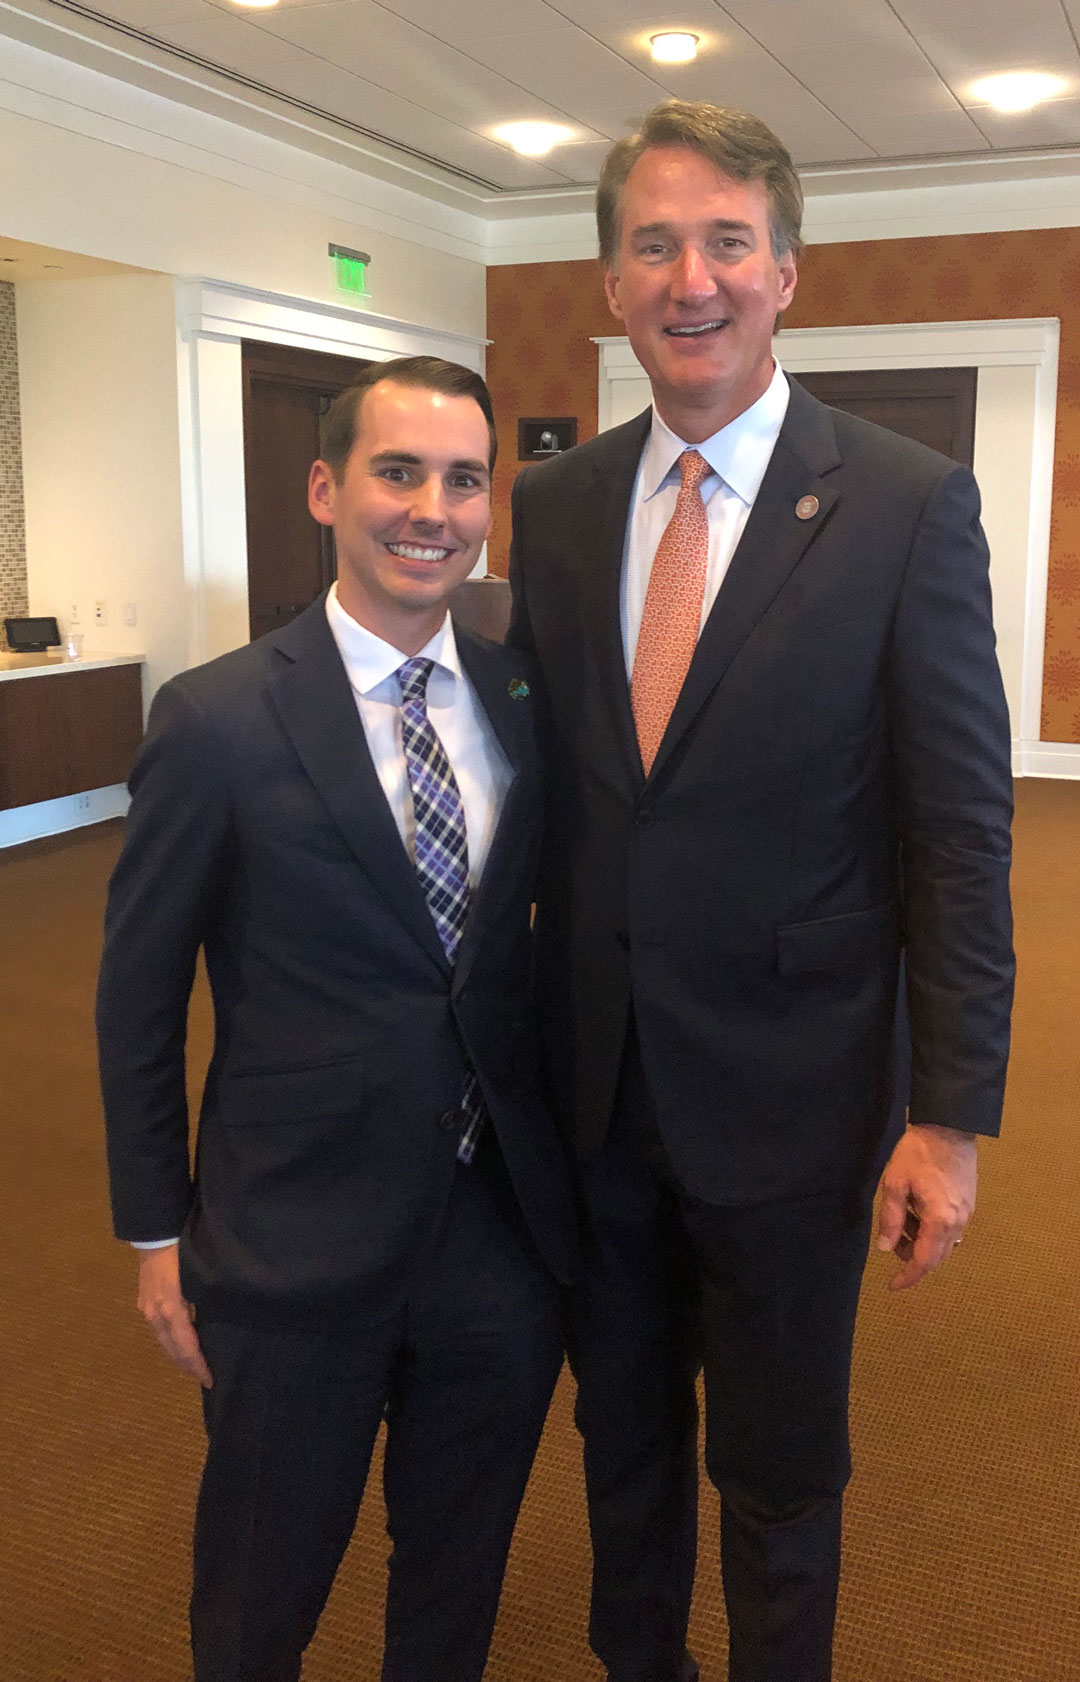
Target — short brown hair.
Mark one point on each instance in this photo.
(739, 144)
(426, 373)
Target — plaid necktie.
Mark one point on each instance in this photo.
(442, 848)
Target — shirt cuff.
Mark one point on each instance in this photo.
(152, 1243)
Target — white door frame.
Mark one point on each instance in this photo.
(212, 318)
(1021, 504)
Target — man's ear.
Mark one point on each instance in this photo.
(320, 493)
(611, 293)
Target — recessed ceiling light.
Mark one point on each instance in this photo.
(1017, 90)
(256, 5)
(674, 46)
(533, 140)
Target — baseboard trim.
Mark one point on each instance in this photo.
(56, 817)
(1046, 759)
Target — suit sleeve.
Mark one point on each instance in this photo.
(161, 899)
(952, 768)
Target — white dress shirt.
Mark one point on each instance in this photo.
(481, 768)
(738, 455)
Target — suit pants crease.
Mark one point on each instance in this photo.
(762, 1299)
(464, 1373)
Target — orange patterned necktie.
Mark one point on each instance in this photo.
(672, 613)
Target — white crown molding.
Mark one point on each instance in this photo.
(70, 96)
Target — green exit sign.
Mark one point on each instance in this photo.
(350, 270)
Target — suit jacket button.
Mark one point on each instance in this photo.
(645, 819)
(623, 939)
(448, 1120)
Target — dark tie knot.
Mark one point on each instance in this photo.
(413, 678)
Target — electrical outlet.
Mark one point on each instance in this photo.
(82, 803)
(75, 616)
(101, 613)
(131, 613)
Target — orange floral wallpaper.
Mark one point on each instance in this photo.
(541, 317)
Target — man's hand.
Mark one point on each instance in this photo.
(162, 1304)
(927, 1197)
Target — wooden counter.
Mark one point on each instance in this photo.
(66, 726)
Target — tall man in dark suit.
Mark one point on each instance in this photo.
(345, 817)
(780, 760)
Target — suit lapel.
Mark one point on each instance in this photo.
(315, 703)
(612, 489)
(772, 545)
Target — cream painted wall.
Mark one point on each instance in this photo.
(101, 461)
(84, 194)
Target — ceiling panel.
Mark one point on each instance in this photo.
(301, 75)
(595, 15)
(898, 125)
(415, 65)
(154, 14)
(463, 20)
(342, 31)
(1054, 124)
(839, 80)
(569, 70)
(790, 28)
(964, 39)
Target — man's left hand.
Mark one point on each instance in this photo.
(927, 1197)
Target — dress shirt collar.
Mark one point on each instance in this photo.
(739, 453)
(369, 660)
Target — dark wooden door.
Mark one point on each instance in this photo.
(935, 406)
(287, 392)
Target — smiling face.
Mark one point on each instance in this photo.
(411, 510)
(697, 285)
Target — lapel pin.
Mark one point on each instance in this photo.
(806, 507)
(518, 688)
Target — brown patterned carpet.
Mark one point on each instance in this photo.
(963, 1545)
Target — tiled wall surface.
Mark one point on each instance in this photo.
(541, 317)
(12, 521)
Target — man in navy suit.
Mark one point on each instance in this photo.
(781, 760)
(345, 818)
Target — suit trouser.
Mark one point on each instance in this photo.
(464, 1372)
(763, 1297)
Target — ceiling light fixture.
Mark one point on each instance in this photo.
(533, 140)
(256, 5)
(674, 46)
(1017, 90)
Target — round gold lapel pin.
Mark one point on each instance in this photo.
(806, 507)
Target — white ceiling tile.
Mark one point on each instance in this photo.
(964, 39)
(569, 70)
(463, 20)
(299, 75)
(596, 15)
(580, 163)
(382, 48)
(153, 15)
(750, 78)
(344, 30)
(897, 129)
(1055, 124)
(791, 27)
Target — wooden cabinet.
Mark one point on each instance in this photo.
(64, 732)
